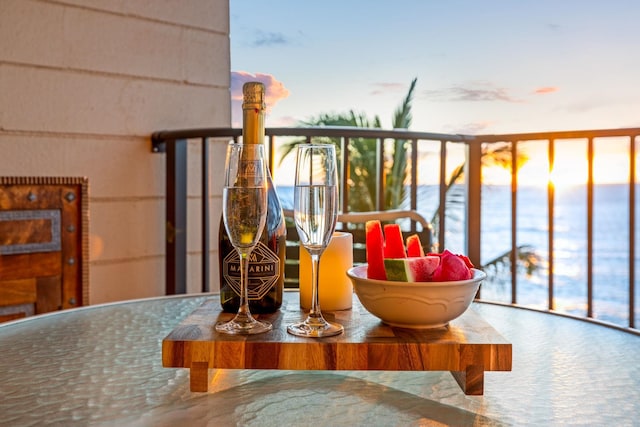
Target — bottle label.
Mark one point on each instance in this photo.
(249, 169)
(264, 270)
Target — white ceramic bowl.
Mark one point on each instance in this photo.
(414, 304)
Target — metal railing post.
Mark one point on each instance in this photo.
(176, 217)
(206, 221)
(473, 174)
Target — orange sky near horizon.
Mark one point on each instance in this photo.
(610, 163)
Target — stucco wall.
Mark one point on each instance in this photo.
(83, 84)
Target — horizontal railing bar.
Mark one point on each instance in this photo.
(158, 138)
(629, 330)
(341, 131)
(570, 134)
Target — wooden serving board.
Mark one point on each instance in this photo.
(467, 347)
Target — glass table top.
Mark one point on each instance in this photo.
(102, 365)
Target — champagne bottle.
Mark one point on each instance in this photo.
(266, 264)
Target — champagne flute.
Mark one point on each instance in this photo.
(244, 212)
(315, 202)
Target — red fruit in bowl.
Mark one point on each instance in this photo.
(393, 244)
(375, 250)
(414, 246)
(466, 260)
(452, 267)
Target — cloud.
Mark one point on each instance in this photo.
(473, 93)
(274, 91)
(545, 90)
(473, 128)
(382, 88)
(285, 121)
(269, 39)
(583, 106)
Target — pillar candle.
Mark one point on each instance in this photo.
(335, 288)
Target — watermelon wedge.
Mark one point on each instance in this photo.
(393, 242)
(375, 250)
(416, 269)
(414, 247)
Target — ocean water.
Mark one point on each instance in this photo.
(610, 245)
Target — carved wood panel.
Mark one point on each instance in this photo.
(43, 245)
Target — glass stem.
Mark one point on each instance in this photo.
(315, 280)
(243, 310)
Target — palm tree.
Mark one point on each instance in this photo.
(362, 156)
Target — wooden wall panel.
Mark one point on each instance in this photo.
(43, 245)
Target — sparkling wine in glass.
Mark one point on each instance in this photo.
(244, 211)
(315, 202)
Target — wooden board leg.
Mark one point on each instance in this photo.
(471, 380)
(199, 376)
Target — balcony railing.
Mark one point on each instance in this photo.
(445, 147)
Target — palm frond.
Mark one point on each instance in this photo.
(526, 259)
(402, 117)
(398, 171)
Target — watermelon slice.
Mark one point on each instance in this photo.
(375, 250)
(414, 247)
(393, 242)
(416, 269)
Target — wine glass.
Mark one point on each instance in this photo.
(244, 212)
(315, 201)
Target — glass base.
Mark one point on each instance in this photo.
(315, 327)
(243, 325)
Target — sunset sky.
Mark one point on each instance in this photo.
(481, 66)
